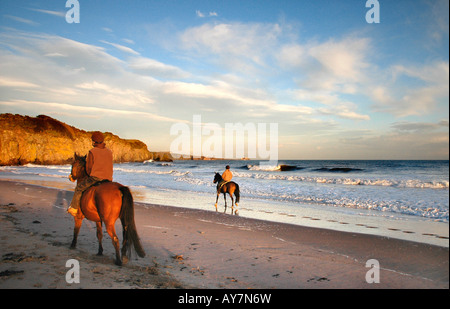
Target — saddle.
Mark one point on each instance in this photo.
(100, 182)
(222, 183)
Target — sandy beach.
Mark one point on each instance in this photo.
(189, 248)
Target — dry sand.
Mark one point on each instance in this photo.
(199, 249)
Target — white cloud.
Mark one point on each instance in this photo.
(121, 48)
(74, 75)
(129, 41)
(22, 20)
(50, 12)
(156, 68)
(397, 144)
(292, 56)
(199, 14)
(333, 65)
(14, 83)
(342, 60)
(232, 43)
(420, 126)
(203, 15)
(114, 94)
(325, 71)
(438, 25)
(400, 99)
(435, 73)
(93, 110)
(238, 72)
(333, 105)
(345, 111)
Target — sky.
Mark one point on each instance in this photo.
(337, 86)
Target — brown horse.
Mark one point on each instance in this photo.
(106, 202)
(229, 187)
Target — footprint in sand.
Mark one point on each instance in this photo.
(318, 279)
(10, 272)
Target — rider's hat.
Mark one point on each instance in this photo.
(98, 137)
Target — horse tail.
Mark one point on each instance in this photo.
(237, 194)
(127, 217)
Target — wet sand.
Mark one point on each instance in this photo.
(189, 248)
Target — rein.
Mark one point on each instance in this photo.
(223, 183)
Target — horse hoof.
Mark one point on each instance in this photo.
(118, 263)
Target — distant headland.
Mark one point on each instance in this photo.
(45, 140)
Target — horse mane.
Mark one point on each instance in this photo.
(82, 162)
(79, 158)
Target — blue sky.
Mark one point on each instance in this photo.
(338, 87)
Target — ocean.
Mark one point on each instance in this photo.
(402, 199)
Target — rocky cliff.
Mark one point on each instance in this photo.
(44, 140)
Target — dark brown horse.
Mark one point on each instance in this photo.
(105, 203)
(229, 187)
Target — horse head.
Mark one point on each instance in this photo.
(217, 177)
(78, 168)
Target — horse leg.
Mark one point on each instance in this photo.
(125, 239)
(112, 233)
(99, 237)
(237, 199)
(225, 199)
(218, 193)
(232, 202)
(76, 229)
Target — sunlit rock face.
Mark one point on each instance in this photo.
(44, 140)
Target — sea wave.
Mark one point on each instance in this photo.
(50, 167)
(409, 183)
(319, 183)
(328, 198)
(141, 171)
(286, 167)
(270, 168)
(436, 213)
(338, 169)
(157, 163)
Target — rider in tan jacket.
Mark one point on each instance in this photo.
(227, 175)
